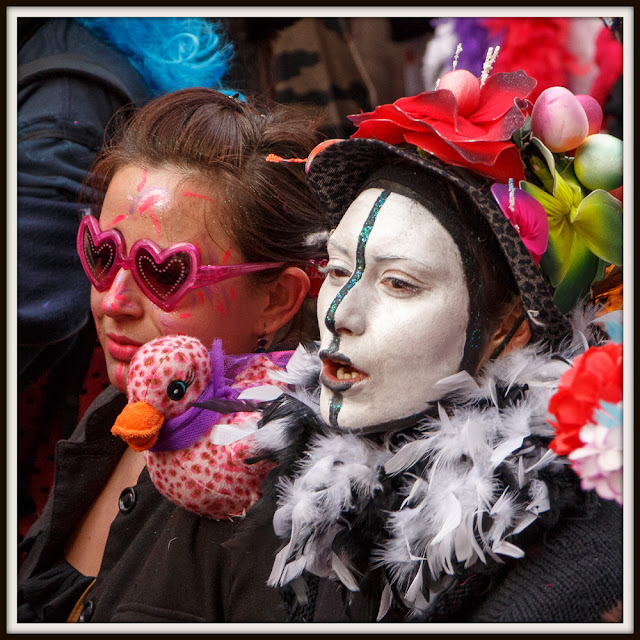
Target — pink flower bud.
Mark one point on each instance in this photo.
(593, 110)
(559, 120)
(465, 87)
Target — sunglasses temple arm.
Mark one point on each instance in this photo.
(216, 273)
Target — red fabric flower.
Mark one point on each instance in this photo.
(480, 141)
(595, 376)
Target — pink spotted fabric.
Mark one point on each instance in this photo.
(213, 480)
(166, 358)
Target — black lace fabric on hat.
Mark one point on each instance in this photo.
(472, 236)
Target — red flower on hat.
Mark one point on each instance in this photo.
(460, 124)
(595, 376)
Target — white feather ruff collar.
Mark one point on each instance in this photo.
(455, 507)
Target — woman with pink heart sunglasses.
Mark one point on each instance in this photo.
(197, 235)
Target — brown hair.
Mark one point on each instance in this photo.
(223, 142)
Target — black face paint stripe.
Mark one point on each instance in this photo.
(334, 409)
(330, 322)
(330, 318)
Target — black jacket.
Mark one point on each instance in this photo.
(161, 563)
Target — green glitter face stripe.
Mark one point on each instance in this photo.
(330, 318)
(334, 409)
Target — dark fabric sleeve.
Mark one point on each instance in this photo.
(51, 595)
(53, 291)
(574, 576)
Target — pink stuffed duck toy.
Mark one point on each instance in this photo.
(195, 456)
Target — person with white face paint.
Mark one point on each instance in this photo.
(415, 479)
(408, 289)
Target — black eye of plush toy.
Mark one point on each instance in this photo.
(176, 390)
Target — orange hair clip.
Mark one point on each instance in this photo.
(272, 157)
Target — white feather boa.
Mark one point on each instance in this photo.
(457, 511)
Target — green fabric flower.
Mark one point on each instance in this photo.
(585, 232)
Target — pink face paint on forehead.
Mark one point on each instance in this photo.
(156, 223)
(151, 196)
(220, 307)
(149, 201)
(115, 221)
(143, 181)
(227, 255)
(190, 194)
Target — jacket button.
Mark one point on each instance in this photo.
(87, 611)
(127, 500)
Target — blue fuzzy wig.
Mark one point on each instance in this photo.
(169, 53)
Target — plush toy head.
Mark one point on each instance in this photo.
(166, 375)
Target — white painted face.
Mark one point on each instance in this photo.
(393, 312)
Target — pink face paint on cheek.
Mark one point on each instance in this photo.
(121, 374)
(182, 316)
(166, 326)
(170, 323)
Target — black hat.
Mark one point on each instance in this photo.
(338, 172)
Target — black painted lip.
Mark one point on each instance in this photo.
(328, 354)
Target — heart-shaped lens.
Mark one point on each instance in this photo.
(99, 257)
(163, 276)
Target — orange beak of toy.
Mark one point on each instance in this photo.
(138, 425)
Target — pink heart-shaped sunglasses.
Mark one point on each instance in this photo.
(163, 275)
